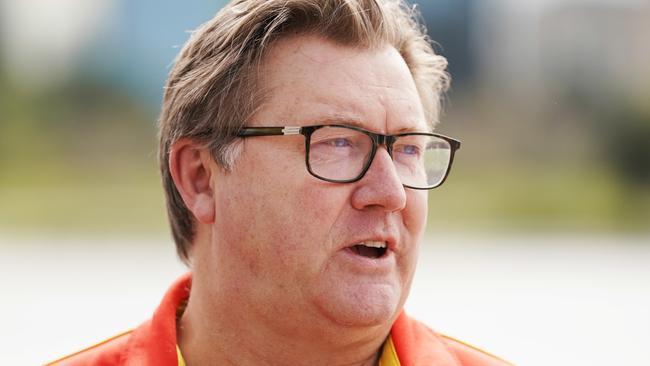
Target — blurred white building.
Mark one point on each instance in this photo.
(528, 47)
(120, 43)
(40, 41)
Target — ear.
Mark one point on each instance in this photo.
(190, 167)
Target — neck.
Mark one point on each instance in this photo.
(212, 331)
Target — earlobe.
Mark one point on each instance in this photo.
(190, 168)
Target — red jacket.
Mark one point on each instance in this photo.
(154, 342)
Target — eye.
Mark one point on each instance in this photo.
(339, 142)
(408, 150)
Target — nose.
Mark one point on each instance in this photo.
(381, 186)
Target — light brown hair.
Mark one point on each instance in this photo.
(211, 90)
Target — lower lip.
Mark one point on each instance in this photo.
(363, 264)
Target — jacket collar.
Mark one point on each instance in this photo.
(154, 342)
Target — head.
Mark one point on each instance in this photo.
(248, 208)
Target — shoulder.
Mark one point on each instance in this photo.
(417, 344)
(469, 355)
(108, 352)
(151, 343)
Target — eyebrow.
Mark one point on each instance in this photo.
(340, 119)
(356, 121)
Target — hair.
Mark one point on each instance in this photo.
(211, 89)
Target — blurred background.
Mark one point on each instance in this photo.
(538, 245)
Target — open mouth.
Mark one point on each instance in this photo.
(370, 249)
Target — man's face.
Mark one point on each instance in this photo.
(282, 242)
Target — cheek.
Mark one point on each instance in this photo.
(414, 219)
(416, 212)
(281, 232)
(320, 203)
(310, 212)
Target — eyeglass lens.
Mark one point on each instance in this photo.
(341, 154)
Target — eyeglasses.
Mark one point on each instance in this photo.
(343, 154)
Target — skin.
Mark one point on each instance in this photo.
(274, 280)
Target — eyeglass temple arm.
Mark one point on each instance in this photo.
(268, 131)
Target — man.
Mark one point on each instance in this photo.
(296, 149)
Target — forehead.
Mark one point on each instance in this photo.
(309, 80)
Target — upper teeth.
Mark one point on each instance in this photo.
(374, 244)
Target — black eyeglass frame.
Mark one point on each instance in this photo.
(377, 139)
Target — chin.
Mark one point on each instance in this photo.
(366, 306)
